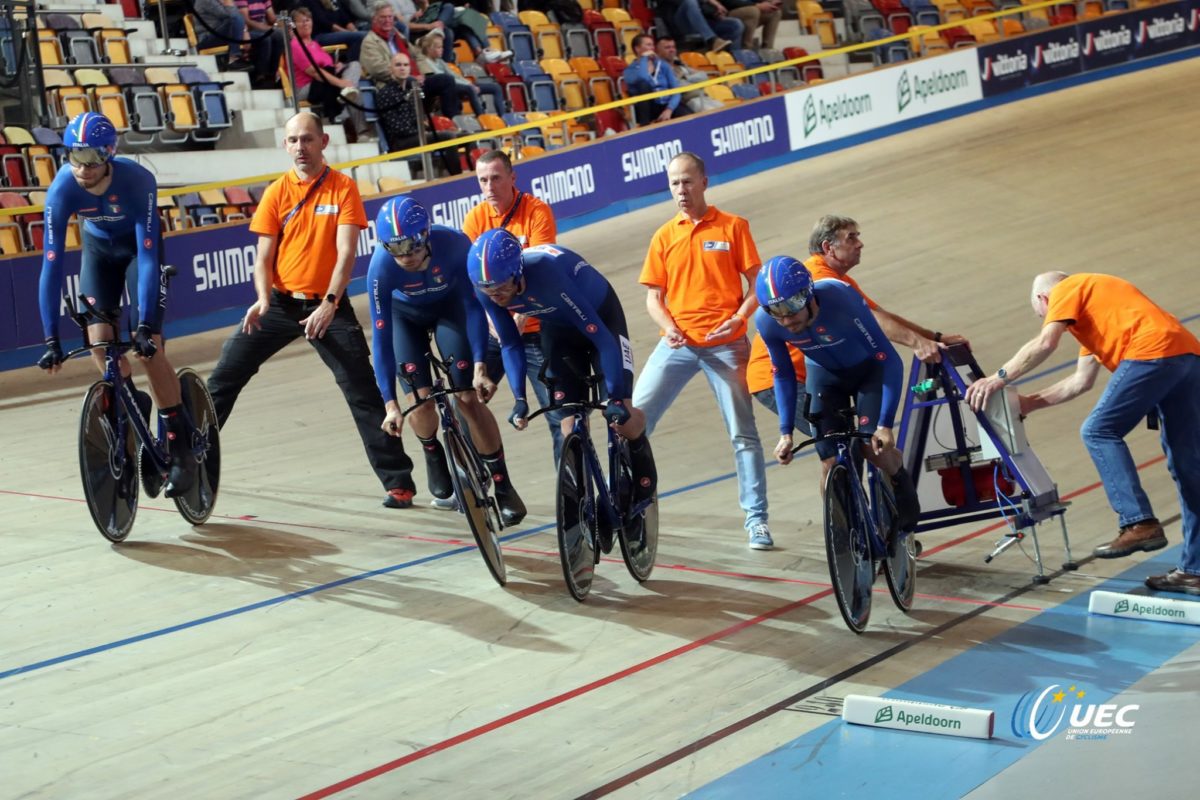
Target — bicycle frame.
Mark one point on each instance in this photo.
(128, 412)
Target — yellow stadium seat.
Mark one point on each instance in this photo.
(390, 185)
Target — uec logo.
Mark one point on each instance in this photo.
(1040, 718)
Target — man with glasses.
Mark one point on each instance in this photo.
(418, 283)
(308, 224)
(846, 355)
(116, 201)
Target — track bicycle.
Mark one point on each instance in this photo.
(592, 510)
(116, 448)
(470, 477)
(861, 531)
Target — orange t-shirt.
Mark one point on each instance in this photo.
(759, 373)
(820, 271)
(532, 223)
(1115, 322)
(307, 252)
(700, 267)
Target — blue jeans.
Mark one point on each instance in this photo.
(690, 19)
(534, 359)
(665, 374)
(1170, 386)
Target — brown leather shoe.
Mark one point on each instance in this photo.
(1175, 581)
(1145, 535)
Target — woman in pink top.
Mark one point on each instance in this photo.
(319, 79)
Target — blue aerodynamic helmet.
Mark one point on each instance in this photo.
(90, 139)
(495, 258)
(784, 286)
(402, 226)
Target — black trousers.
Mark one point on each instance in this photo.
(344, 351)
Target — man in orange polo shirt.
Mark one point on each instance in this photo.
(699, 274)
(1155, 364)
(835, 247)
(532, 222)
(308, 224)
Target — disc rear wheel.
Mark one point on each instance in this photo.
(639, 533)
(196, 504)
(108, 466)
(900, 564)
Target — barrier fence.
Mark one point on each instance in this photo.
(216, 264)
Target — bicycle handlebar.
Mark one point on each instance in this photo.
(434, 395)
(839, 435)
(590, 405)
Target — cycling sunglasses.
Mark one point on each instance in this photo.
(406, 246)
(88, 156)
(787, 306)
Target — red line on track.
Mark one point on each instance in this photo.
(528, 711)
(516, 716)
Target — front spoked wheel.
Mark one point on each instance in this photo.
(847, 549)
(108, 466)
(196, 504)
(474, 502)
(639, 533)
(576, 512)
(900, 564)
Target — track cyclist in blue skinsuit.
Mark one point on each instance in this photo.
(583, 329)
(418, 282)
(846, 354)
(117, 203)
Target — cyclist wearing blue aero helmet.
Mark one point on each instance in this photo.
(418, 283)
(583, 329)
(116, 200)
(846, 354)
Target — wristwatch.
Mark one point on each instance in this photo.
(1002, 374)
(331, 299)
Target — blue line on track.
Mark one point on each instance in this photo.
(1063, 645)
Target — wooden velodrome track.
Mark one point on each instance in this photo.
(307, 636)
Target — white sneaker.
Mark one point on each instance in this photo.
(760, 537)
(350, 92)
(444, 503)
(491, 56)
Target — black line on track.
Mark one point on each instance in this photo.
(781, 705)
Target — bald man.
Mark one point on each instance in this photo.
(307, 224)
(1155, 364)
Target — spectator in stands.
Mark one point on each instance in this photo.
(307, 226)
(321, 80)
(648, 73)
(398, 115)
(266, 43)
(333, 25)
(564, 11)
(689, 19)
(223, 24)
(753, 15)
(429, 62)
(456, 22)
(383, 41)
(697, 100)
(360, 12)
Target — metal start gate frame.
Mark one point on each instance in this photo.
(1002, 449)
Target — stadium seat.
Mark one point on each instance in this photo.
(182, 116)
(112, 41)
(208, 98)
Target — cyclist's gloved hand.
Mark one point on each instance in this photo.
(520, 411)
(53, 355)
(616, 412)
(143, 342)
